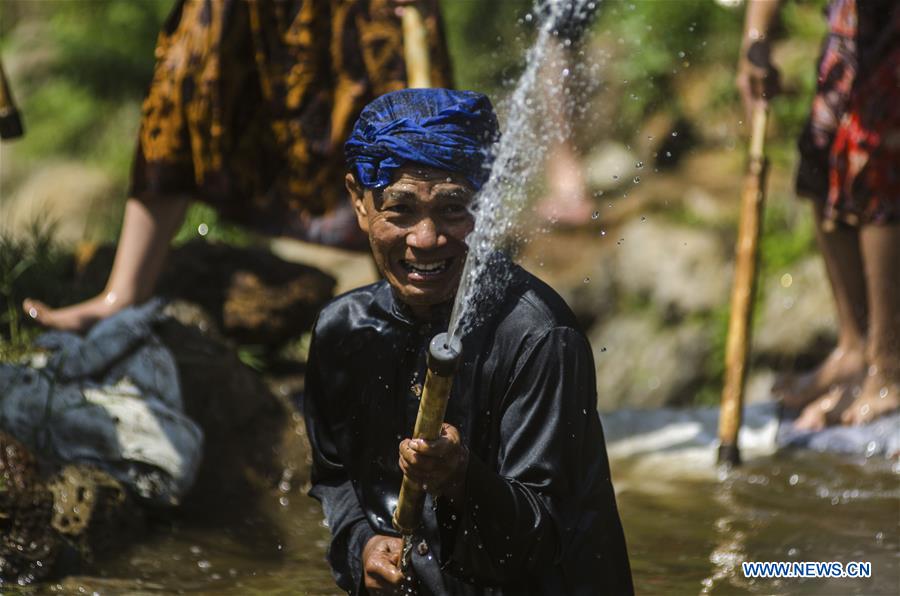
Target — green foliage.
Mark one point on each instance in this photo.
(202, 221)
(86, 62)
(487, 41)
(657, 41)
(31, 265)
(788, 234)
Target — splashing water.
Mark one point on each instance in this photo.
(518, 157)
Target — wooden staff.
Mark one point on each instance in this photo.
(415, 49)
(746, 257)
(443, 358)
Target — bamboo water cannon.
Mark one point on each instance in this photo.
(443, 360)
(742, 295)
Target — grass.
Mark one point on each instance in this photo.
(31, 264)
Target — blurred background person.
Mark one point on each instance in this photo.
(849, 153)
(247, 110)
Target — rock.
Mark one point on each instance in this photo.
(797, 313)
(758, 388)
(676, 267)
(65, 194)
(594, 296)
(53, 522)
(252, 295)
(609, 165)
(702, 204)
(642, 363)
(28, 545)
(253, 436)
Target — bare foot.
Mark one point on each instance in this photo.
(880, 395)
(77, 318)
(827, 409)
(841, 367)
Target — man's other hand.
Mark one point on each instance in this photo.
(438, 465)
(381, 564)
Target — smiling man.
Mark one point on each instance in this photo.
(520, 494)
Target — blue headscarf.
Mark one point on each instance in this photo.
(444, 129)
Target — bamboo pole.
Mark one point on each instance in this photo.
(742, 295)
(443, 358)
(415, 49)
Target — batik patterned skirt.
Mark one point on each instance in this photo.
(251, 101)
(850, 148)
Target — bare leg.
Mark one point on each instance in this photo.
(881, 387)
(147, 229)
(846, 363)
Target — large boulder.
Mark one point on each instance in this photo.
(644, 363)
(678, 268)
(797, 314)
(252, 295)
(253, 436)
(65, 194)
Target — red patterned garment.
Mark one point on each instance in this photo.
(850, 148)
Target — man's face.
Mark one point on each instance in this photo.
(417, 227)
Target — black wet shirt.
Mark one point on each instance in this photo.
(539, 512)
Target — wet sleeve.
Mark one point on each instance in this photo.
(515, 510)
(350, 530)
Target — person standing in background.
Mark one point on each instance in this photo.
(849, 156)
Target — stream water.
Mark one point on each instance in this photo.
(687, 532)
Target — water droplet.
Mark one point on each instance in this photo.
(643, 218)
(786, 280)
(883, 392)
(639, 164)
(603, 232)
(870, 448)
(595, 215)
(794, 479)
(587, 280)
(674, 133)
(636, 180)
(603, 349)
(203, 229)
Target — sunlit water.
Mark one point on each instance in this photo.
(518, 157)
(687, 529)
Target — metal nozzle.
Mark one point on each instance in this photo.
(443, 355)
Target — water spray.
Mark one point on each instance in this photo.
(443, 360)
